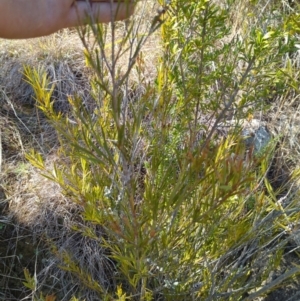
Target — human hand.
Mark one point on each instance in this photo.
(34, 18)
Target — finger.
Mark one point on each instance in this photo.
(101, 12)
(107, 1)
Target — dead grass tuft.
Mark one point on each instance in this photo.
(38, 204)
(59, 55)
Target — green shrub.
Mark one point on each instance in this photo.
(185, 211)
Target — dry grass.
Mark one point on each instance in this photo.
(60, 55)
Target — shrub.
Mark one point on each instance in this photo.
(185, 212)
